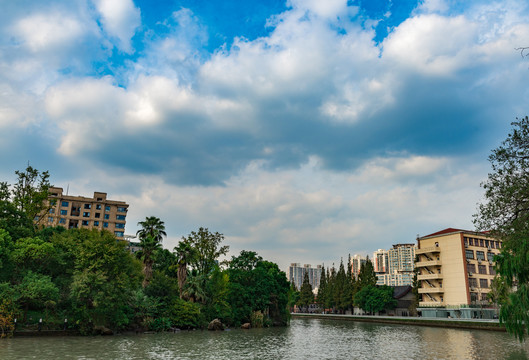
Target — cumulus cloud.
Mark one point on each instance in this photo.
(120, 19)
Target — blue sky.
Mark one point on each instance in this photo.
(304, 130)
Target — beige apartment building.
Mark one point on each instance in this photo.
(455, 270)
(84, 212)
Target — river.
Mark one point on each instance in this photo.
(303, 339)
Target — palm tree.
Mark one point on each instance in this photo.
(151, 235)
(184, 255)
(194, 290)
(152, 226)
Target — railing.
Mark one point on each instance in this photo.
(428, 263)
(431, 290)
(429, 276)
(430, 249)
(430, 303)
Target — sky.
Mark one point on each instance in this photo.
(304, 130)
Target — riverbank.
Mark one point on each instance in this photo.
(472, 324)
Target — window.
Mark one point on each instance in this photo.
(473, 282)
(471, 242)
(121, 217)
(52, 211)
(50, 218)
(87, 206)
(484, 297)
(122, 209)
(107, 208)
(487, 243)
(107, 216)
(483, 283)
(65, 204)
(120, 226)
(118, 233)
(105, 224)
(491, 270)
(62, 221)
(481, 242)
(469, 254)
(86, 222)
(98, 206)
(480, 255)
(64, 212)
(98, 215)
(465, 241)
(482, 269)
(471, 268)
(96, 223)
(86, 214)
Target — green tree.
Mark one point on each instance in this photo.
(367, 275)
(373, 299)
(208, 249)
(505, 213)
(322, 288)
(105, 279)
(151, 235)
(185, 254)
(306, 296)
(35, 290)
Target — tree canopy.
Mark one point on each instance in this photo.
(505, 213)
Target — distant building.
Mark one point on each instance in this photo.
(356, 264)
(380, 261)
(456, 269)
(400, 265)
(84, 212)
(296, 273)
(133, 244)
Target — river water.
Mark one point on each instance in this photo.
(303, 339)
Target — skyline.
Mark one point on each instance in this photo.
(302, 130)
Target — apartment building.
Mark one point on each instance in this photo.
(84, 212)
(296, 273)
(399, 265)
(356, 263)
(455, 272)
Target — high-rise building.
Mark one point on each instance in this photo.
(380, 261)
(456, 269)
(296, 273)
(400, 265)
(356, 264)
(83, 212)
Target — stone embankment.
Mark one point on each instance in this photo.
(474, 324)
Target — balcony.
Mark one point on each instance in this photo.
(429, 276)
(431, 290)
(430, 303)
(428, 263)
(427, 250)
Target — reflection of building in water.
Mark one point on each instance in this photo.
(455, 270)
(460, 342)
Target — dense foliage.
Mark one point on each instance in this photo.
(92, 280)
(339, 290)
(505, 213)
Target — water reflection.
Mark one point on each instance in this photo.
(304, 339)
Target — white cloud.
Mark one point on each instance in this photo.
(120, 19)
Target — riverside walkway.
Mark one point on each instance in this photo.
(475, 324)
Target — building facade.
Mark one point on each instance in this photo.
(356, 263)
(455, 270)
(83, 212)
(400, 265)
(380, 261)
(296, 273)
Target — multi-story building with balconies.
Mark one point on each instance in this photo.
(83, 212)
(455, 270)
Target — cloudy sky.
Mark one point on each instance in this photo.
(304, 130)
